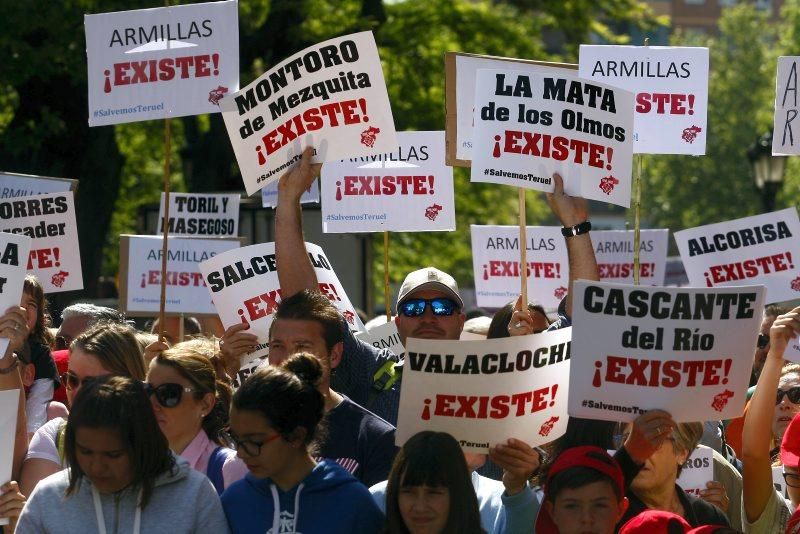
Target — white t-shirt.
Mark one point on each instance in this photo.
(44, 443)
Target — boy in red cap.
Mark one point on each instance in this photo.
(584, 492)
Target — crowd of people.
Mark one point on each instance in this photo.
(127, 431)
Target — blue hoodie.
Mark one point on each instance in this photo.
(329, 500)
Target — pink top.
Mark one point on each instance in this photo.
(199, 451)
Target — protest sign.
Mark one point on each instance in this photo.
(460, 70)
(779, 482)
(495, 264)
(162, 62)
(140, 274)
(14, 251)
(792, 352)
(49, 220)
(671, 87)
(484, 392)
(26, 185)
(408, 190)
(786, 136)
(9, 405)
(200, 215)
(698, 470)
(330, 96)
(269, 195)
(530, 126)
(613, 250)
(688, 351)
(243, 284)
(384, 336)
(762, 249)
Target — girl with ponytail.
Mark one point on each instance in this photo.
(191, 405)
(275, 426)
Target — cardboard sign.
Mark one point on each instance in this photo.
(614, 252)
(697, 471)
(269, 195)
(49, 220)
(495, 264)
(409, 190)
(384, 336)
(485, 392)
(200, 215)
(786, 132)
(14, 252)
(162, 62)
(688, 351)
(460, 70)
(763, 249)
(671, 87)
(9, 404)
(140, 274)
(26, 185)
(243, 284)
(331, 96)
(530, 126)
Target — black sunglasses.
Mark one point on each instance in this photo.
(793, 394)
(168, 395)
(439, 306)
(73, 381)
(763, 341)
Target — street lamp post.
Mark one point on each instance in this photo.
(768, 170)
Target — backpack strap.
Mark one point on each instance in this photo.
(214, 469)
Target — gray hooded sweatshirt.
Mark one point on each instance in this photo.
(183, 501)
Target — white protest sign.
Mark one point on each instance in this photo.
(485, 392)
(530, 126)
(140, 272)
(26, 185)
(786, 132)
(763, 249)
(14, 252)
(243, 284)
(409, 190)
(671, 87)
(162, 62)
(384, 336)
(269, 195)
(331, 96)
(201, 215)
(792, 352)
(9, 404)
(688, 351)
(466, 68)
(49, 220)
(495, 264)
(613, 250)
(779, 482)
(697, 471)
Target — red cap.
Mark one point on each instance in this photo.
(585, 456)
(794, 523)
(655, 521)
(790, 445)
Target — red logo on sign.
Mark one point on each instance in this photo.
(607, 184)
(369, 135)
(547, 426)
(349, 317)
(721, 400)
(215, 95)
(59, 278)
(431, 212)
(796, 284)
(560, 292)
(690, 134)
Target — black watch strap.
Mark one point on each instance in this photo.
(578, 229)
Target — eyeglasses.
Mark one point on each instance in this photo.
(792, 479)
(793, 394)
(62, 342)
(439, 306)
(763, 341)
(251, 448)
(168, 395)
(73, 381)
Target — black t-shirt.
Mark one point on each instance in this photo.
(359, 441)
(43, 362)
(697, 512)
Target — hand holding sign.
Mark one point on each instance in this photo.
(518, 460)
(715, 494)
(14, 326)
(647, 433)
(11, 504)
(570, 210)
(293, 184)
(785, 327)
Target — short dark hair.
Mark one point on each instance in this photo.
(308, 305)
(287, 397)
(40, 333)
(579, 476)
(121, 404)
(433, 459)
(498, 328)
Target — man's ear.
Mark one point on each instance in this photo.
(336, 355)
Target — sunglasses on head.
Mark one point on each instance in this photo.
(168, 395)
(439, 306)
(793, 395)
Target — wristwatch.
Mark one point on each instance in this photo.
(578, 229)
(10, 368)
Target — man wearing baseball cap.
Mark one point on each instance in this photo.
(429, 306)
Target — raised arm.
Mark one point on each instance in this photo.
(295, 271)
(572, 211)
(757, 430)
